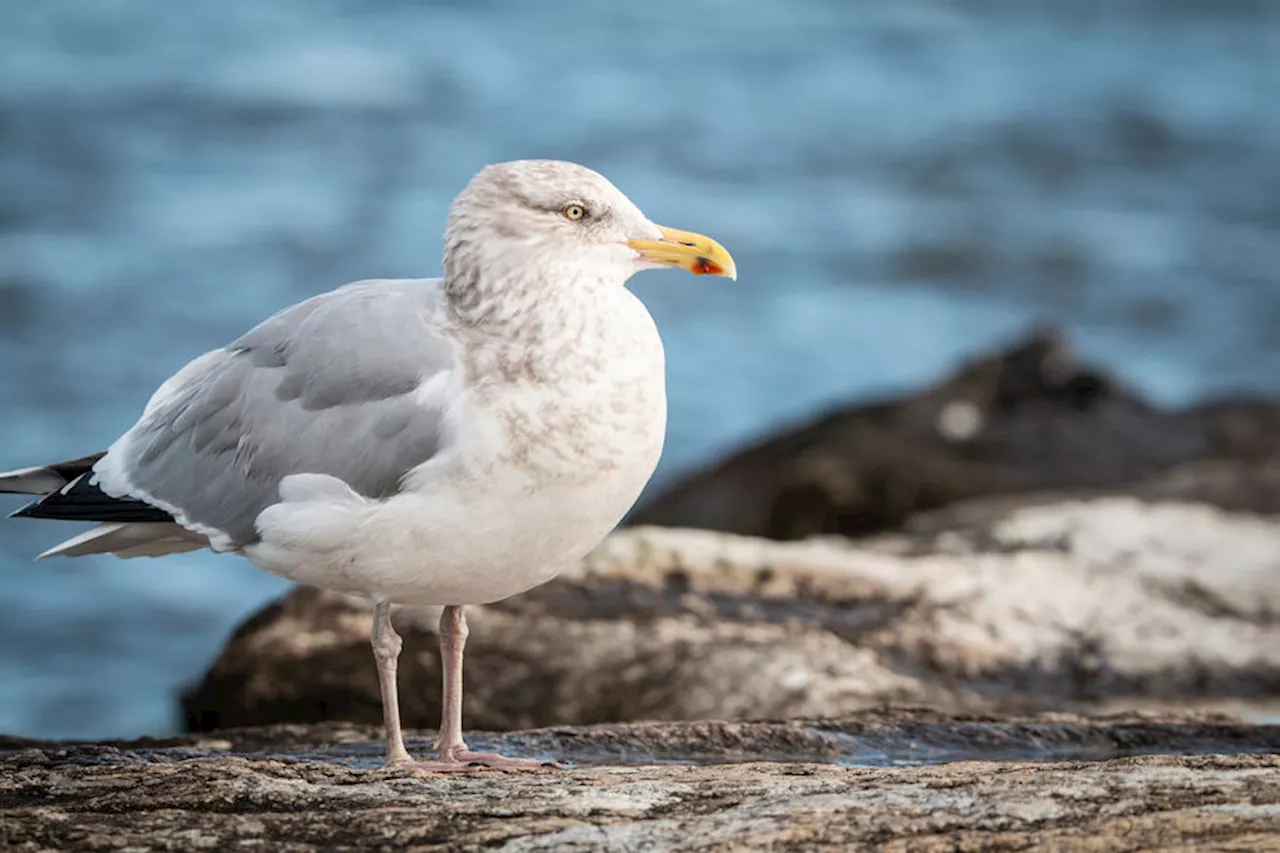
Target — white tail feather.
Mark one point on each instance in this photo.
(130, 539)
(31, 481)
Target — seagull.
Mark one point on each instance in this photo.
(447, 441)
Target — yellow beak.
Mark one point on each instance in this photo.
(698, 254)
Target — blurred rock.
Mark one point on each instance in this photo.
(1069, 605)
(316, 788)
(1030, 418)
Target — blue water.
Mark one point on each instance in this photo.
(903, 183)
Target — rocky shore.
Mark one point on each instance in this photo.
(305, 788)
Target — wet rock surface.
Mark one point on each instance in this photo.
(298, 788)
(1078, 605)
(1029, 418)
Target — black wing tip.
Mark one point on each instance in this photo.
(26, 511)
(82, 500)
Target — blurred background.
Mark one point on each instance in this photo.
(904, 183)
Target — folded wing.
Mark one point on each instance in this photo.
(349, 384)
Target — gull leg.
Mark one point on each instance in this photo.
(386, 651)
(453, 642)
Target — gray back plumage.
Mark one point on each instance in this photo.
(328, 386)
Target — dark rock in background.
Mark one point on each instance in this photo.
(1030, 418)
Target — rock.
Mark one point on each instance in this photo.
(1031, 418)
(1053, 606)
(297, 788)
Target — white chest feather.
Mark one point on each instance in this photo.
(547, 454)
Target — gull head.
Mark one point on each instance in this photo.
(562, 222)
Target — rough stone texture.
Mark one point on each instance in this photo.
(1029, 418)
(1056, 606)
(277, 789)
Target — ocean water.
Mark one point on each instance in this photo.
(903, 183)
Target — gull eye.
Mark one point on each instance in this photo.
(574, 212)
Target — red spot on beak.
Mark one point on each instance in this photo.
(706, 266)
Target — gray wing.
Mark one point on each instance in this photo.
(328, 386)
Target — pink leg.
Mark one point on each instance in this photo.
(453, 642)
(455, 756)
(386, 651)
